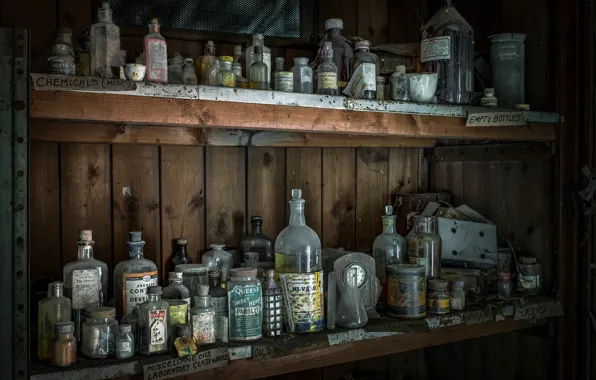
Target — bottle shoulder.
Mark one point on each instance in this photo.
(297, 235)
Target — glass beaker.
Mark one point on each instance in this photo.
(350, 311)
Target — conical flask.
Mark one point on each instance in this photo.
(350, 311)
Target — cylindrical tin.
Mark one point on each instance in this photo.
(406, 291)
(438, 296)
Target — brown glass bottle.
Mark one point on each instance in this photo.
(257, 241)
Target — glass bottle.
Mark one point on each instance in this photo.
(424, 245)
(245, 305)
(271, 305)
(258, 40)
(64, 352)
(105, 45)
(51, 310)
(219, 302)
(258, 71)
(380, 88)
(132, 277)
(64, 37)
(438, 296)
(178, 298)
(238, 56)
(399, 84)
(85, 280)
(303, 76)
(225, 76)
(175, 69)
(132, 319)
(327, 73)
(154, 323)
(504, 285)
(447, 48)
(156, 54)
(282, 80)
(212, 75)
(99, 333)
(341, 51)
(60, 62)
(180, 255)
(489, 99)
(369, 62)
(350, 310)
(218, 259)
(193, 275)
(125, 343)
(457, 297)
(188, 76)
(241, 82)
(257, 241)
(82, 57)
(205, 63)
(507, 69)
(202, 317)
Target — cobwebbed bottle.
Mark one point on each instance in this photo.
(105, 45)
(259, 71)
(369, 62)
(52, 309)
(341, 51)
(258, 39)
(327, 83)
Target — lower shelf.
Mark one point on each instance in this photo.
(290, 353)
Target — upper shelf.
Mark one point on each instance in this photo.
(218, 107)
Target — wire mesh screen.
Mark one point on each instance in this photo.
(276, 18)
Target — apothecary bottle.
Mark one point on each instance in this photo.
(99, 333)
(257, 241)
(64, 352)
(175, 69)
(399, 84)
(369, 62)
(218, 259)
(64, 37)
(225, 77)
(132, 277)
(105, 45)
(52, 309)
(125, 343)
(60, 62)
(85, 280)
(327, 76)
(192, 276)
(245, 305)
(272, 306)
(457, 297)
(156, 54)
(350, 310)
(258, 71)
(447, 48)
(188, 72)
(489, 99)
(132, 319)
(202, 317)
(341, 51)
(154, 323)
(180, 255)
(241, 82)
(177, 295)
(303, 76)
(282, 80)
(424, 245)
(258, 39)
(219, 302)
(205, 63)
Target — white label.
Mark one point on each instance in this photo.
(538, 311)
(306, 76)
(529, 282)
(284, 81)
(327, 81)
(179, 367)
(369, 75)
(203, 328)
(135, 289)
(302, 307)
(220, 305)
(479, 118)
(157, 330)
(156, 60)
(434, 49)
(86, 288)
(124, 347)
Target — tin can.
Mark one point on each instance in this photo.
(438, 296)
(406, 291)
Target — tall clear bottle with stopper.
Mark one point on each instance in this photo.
(132, 277)
(156, 54)
(298, 261)
(85, 280)
(105, 45)
(202, 317)
(259, 72)
(154, 322)
(327, 80)
(258, 39)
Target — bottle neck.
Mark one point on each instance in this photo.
(259, 57)
(154, 28)
(175, 281)
(270, 283)
(135, 250)
(257, 228)
(154, 297)
(210, 50)
(85, 251)
(297, 214)
(202, 301)
(300, 61)
(258, 41)
(215, 282)
(181, 251)
(335, 32)
(388, 224)
(424, 226)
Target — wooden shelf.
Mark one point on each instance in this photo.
(189, 107)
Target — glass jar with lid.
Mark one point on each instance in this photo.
(99, 332)
(245, 305)
(60, 61)
(65, 346)
(219, 260)
(225, 76)
(438, 296)
(424, 245)
(193, 275)
(303, 77)
(125, 344)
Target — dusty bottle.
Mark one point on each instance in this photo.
(202, 317)
(258, 40)
(303, 76)
(225, 76)
(132, 320)
(156, 54)
(341, 51)
(424, 245)
(188, 72)
(327, 73)
(60, 61)
(65, 346)
(369, 63)
(218, 259)
(245, 305)
(257, 241)
(99, 333)
(52, 309)
(125, 343)
(350, 310)
(219, 302)
(205, 63)
(178, 298)
(282, 80)
(105, 45)
(180, 255)
(154, 323)
(271, 306)
(241, 82)
(85, 281)
(399, 84)
(132, 277)
(258, 71)
(175, 69)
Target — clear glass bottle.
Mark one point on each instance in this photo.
(202, 317)
(341, 51)
(132, 319)
(156, 54)
(105, 45)
(154, 323)
(327, 73)
(225, 76)
(424, 245)
(271, 306)
(399, 84)
(132, 277)
(369, 62)
(282, 80)
(180, 255)
(175, 69)
(257, 241)
(213, 74)
(219, 302)
(238, 56)
(245, 305)
(380, 88)
(85, 280)
(64, 37)
(241, 82)
(258, 39)
(125, 343)
(457, 297)
(303, 76)
(60, 62)
(205, 63)
(51, 310)
(64, 352)
(178, 298)
(350, 310)
(219, 260)
(99, 333)
(192, 276)
(258, 71)
(447, 48)
(188, 74)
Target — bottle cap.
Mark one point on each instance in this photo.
(270, 273)
(400, 69)
(135, 236)
(154, 290)
(334, 23)
(125, 328)
(226, 58)
(259, 36)
(217, 246)
(86, 235)
(301, 61)
(210, 43)
(388, 210)
(182, 241)
(191, 268)
(256, 219)
(214, 274)
(189, 61)
(175, 276)
(238, 50)
(101, 312)
(243, 272)
(296, 194)
(364, 44)
(258, 49)
(202, 290)
(63, 328)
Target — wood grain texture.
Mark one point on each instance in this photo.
(412, 13)
(373, 21)
(403, 170)
(343, 9)
(225, 195)
(182, 199)
(339, 197)
(266, 188)
(482, 189)
(303, 171)
(449, 176)
(135, 191)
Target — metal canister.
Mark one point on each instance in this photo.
(438, 296)
(406, 291)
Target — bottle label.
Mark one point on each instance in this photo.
(305, 76)
(124, 347)
(179, 313)
(486, 101)
(156, 60)
(245, 305)
(203, 328)
(158, 323)
(221, 310)
(327, 81)
(284, 81)
(134, 290)
(406, 296)
(434, 49)
(61, 66)
(228, 79)
(303, 300)
(369, 76)
(437, 303)
(86, 288)
(529, 282)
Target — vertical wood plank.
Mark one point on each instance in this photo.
(449, 176)
(412, 13)
(373, 21)
(343, 9)
(371, 194)
(266, 190)
(225, 195)
(182, 200)
(44, 202)
(482, 189)
(372, 367)
(304, 172)
(403, 171)
(404, 365)
(339, 197)
(339, 371)
(135, 179)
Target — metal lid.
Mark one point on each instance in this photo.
(297, 195)
(175, 276)
(226, 58)
(134, 236)
(181, 241)
(63, 328)
(527, 260)
(101, 312)
(243, 272)
(405, 268)
(202, 290)
(400, 69)
(192, 268)
(86, 235)
(125, 328)
(388, 210)
(334, 23)
(270, 273)
(364, 44)
(214, 274)
(489, 91)
(154, 290)
(457, 284)
(437, 283)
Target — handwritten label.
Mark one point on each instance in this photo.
(167, 369)
(85, 288)
(434, 49)
(50, 82)
(479, 118)
(538, 311)
(269, 349)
